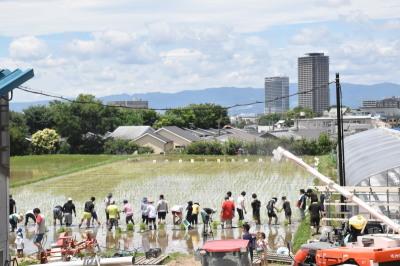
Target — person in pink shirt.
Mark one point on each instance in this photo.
(127, 209)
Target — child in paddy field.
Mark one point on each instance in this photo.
(262, 247)
(247, 236)
(19, 242)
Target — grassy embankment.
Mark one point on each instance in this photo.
(327, 166)
(33, 168)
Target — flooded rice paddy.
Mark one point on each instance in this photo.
(205, 182)
(169, 239)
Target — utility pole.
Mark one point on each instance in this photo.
(340, 146)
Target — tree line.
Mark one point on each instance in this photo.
(82, 123)
(322, 145)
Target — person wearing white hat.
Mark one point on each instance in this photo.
(68, 208)
(152, 214)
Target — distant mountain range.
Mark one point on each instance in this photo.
(353, 95)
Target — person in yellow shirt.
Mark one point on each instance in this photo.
(113, 214)
(195, 213)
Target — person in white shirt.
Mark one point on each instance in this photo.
(19, 242)
(177, 214)
(240, 206)
(152, 214)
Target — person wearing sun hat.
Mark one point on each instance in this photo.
(152, 214)
(68, 208)
(19, 243)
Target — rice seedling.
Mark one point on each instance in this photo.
(130, 227)
(201, 182)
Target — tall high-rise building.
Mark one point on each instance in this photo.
(275, 88)
(313, 74)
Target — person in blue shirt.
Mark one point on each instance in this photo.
(252, 239)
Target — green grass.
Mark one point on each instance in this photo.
(327, 166)
(33, 168)
(175, 256)
(302, 234)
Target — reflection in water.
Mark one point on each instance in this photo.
(162, 239)
(145, 241)
(288, 235)
(128, 241)
(273, 233)
(113, 240)
(168, 239)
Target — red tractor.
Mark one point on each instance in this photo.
(225, 253)
(369, 250)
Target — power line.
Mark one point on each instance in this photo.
(53, 95)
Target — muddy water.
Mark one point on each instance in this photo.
(205, 182)
(169, 239)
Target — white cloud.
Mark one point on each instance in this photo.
(116, 45)
(310, 36)
(28, 48)
(125, 46)
(393, 24)
(48, 16)
(333, 3)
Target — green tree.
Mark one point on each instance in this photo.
(170, 120)
(120, 146)
(205, 115)
(209, 115)
(45, 141)
(38, 117)
(269, 119)
(325, 145)
(231, 147)
(149, 117)
(74, 120)
(296, 113)
(19, 131)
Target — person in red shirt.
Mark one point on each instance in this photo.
(227, 212)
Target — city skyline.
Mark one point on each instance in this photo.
(106, 47)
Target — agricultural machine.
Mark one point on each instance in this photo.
(225, 253)
(369, 246)
(66, 247)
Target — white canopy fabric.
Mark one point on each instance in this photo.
(372, 153)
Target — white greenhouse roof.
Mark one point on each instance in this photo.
(370, 153)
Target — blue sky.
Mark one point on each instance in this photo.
(128, 46)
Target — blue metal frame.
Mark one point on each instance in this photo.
(9, 80)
